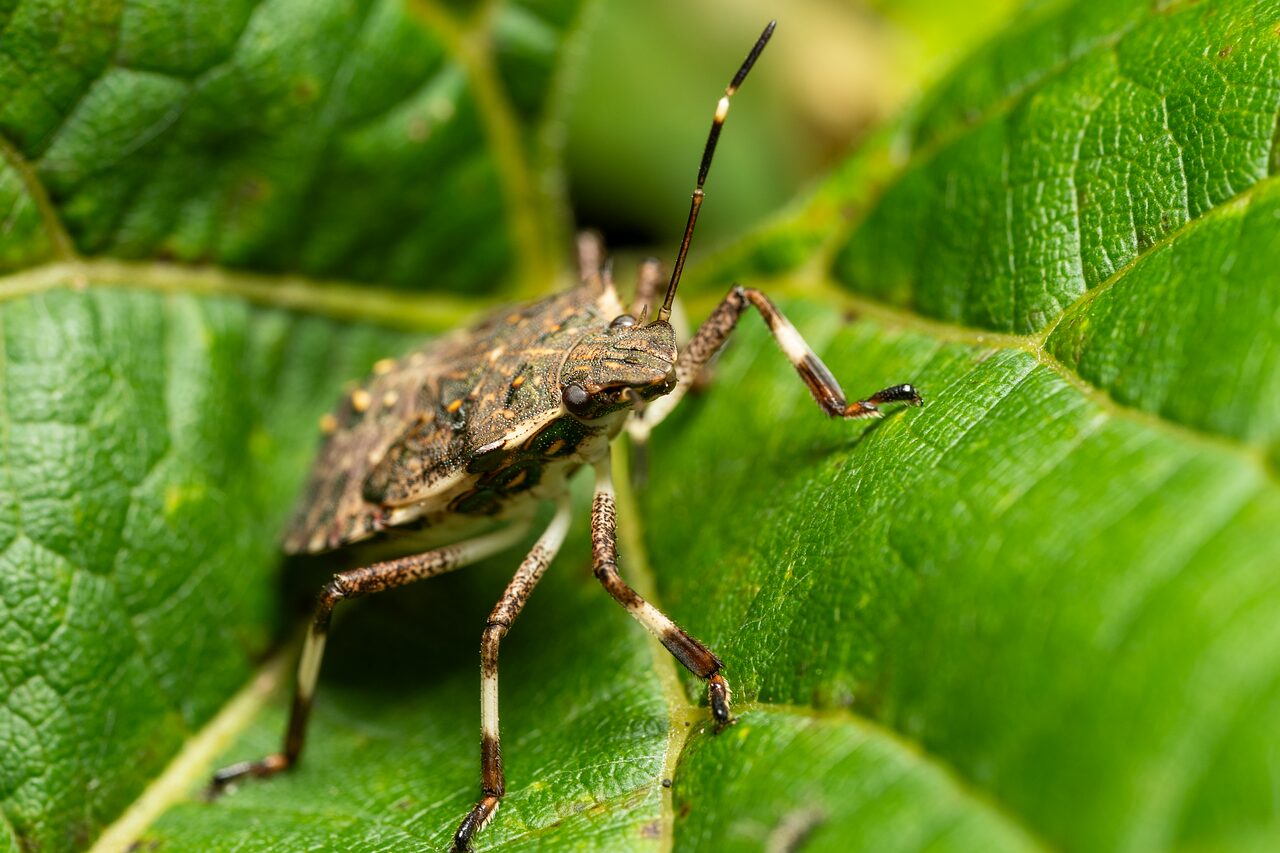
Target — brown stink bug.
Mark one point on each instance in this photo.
(484, 425)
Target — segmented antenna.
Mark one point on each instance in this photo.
(722, 110)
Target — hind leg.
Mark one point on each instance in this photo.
(343, 586)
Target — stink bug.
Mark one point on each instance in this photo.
(482, 426)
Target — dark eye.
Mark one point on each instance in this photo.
(575, 398)
(622, 321)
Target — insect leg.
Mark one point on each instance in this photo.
(492, 781)
(354, 584)
(590, 259)
(696, 657)
(822, 384)
(648, 279)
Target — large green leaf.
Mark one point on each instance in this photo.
(1059, 577)
(1039, 612)
(158, 420)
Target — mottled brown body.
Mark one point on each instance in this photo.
(469, 428)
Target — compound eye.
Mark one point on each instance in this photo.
(575, 398)
(622, 321)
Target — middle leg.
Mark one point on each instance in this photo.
(687, 649)
(492, 779)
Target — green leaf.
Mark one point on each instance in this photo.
(1058, 577)
(836, 783)
(279, 136)
(1040, 612)
(158, 420)
(1088, 134)
(151, 455)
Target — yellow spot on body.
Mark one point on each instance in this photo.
(513, 319)
(518, 479)
(454, 406)
(518, 381)
(556, 447)
(383, 366)
(389, 399)
(508, 414)
(328, 424)
(360, 400)
(722, 108)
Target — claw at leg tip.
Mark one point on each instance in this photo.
(720, 696)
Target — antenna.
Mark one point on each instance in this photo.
(722, 110)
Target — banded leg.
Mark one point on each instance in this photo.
(826, 391)
(696, 657)
(492, 780)
(354, 584)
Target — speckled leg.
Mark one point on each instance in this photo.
(696, 657)
(492, 780)
(355, 584)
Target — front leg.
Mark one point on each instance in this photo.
(826, 391)
(696, 657)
